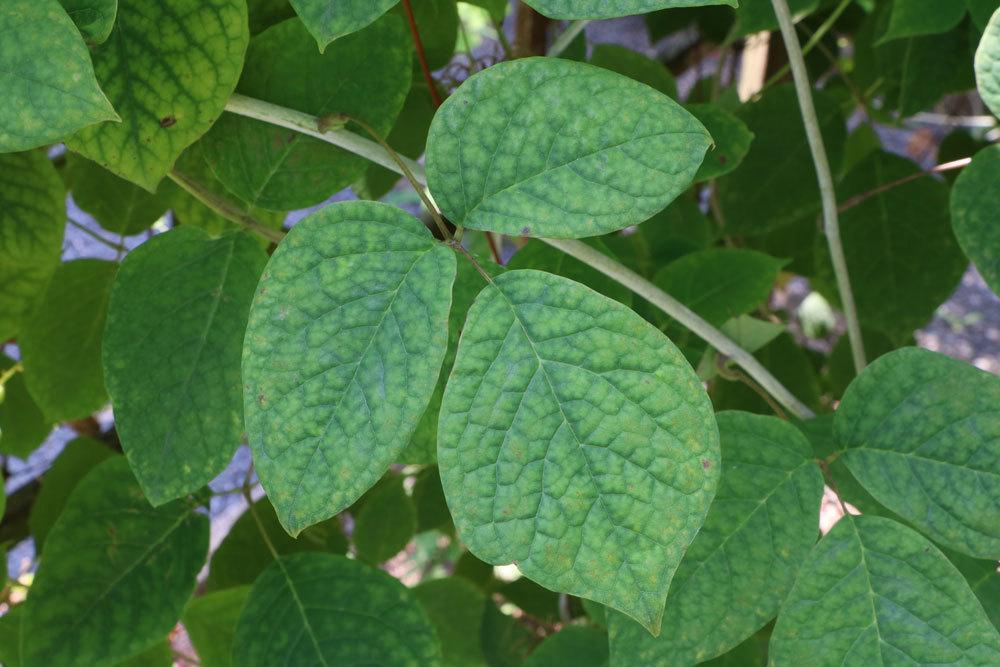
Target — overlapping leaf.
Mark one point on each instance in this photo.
(731, 139)
(455, 608)
(874, 592)
(23, 427)
(573, 646)
(975, 211)
(118, 205)
(576, 442)
(61, 343)
(922, 17)
(46, 75)
(111, 557)
(761, 525)
(922, 434)
(277, 169)
(551, 147)
(635, 66)
(607, 9)
(94, 18)
(210, 621)
(328, 20)
(346, 337)
(385, 523)
(168, 67)
(319, 609)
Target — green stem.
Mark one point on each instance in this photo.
(813, 41)
(6, 375)
(566, 37)
(224, 207)
(831, 225)
(295, 120)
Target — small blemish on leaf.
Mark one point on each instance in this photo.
(526, 231)
(706, 464)
(168, 121)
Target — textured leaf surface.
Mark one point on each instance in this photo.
(344, 344)
(179, 412)
(898, 244)
(551, 147)
(46, 75)
(328, 20)
(455, 608)
(573, 646)
(874, 592)
(61, 343)
(109, 558)
(922, 17)
(243, 555)
(23, 427)
(278, 169)
(210, 621)
(776, 184)
(94, 18)
(606, 9)
(32, 218)
(761, 525)
(168, 67)
(118, 205)
(576, 442)
(72, 465)
(731, 136)
(975, 211)
(317, 609)
(922, 435)
(385, 523)
(635, 66)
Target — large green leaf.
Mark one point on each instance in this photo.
(23, 427)
(73, 464)
(32, 218)
(94, 18)
(61, 343)
(115, 575)
(981, 11)
(874, 592)
(975, 210)
(168, 67)
(386, 521)
(118, 205)
(437, 22)
(576, 442)
(606, 9)
(46, 77)
(344, 344)
(762, 523)
(776, 184)
(758, 15)
(210, 621)
(635, 66)
(552, 147)
(455, 608)
(573, 646)
(922, 434)
(179, 412)
(328, 20)
(318, 609)
(730, 136)
(277, 169)
(243, 554)
(899, 246)
(910, 18)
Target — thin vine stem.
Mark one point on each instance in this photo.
(813, 41)
(864, 196)
(295, 120)
(6, 375)
(831, 225)
(94, 235)
(418, 44)
(566, 37)
(224, 207)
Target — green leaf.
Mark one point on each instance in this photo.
(758, 15)
(437, 23)
(551, 147)
(408, 138)
(573, 646)
(265, 13)
(551, 376)
(327, 610)
(910, 18)
(169, 67)
(23, 427)
(118, 205)
(429, 500)
(210, 621)
(762, 524)
(543, 257)
(922, 434)
(981, 11)
(94, 18)
(751, 653)
(974, 214)
(111, 558)
(788, 362)
(345, 341)
(46, 75)
(635, 66)
(61, 343)
(776, 184)
(328, 20)
(607, 9)
(72, 465)
(984, 581)
(731, 136)
(179, 412)
(874, 592)
(277, 169)
(32, 218)
(748, 332)
(10, 636)
(385, 523)
(160, 655)
(456, 609)
(506, 642)
(243, 554)
(898, 245)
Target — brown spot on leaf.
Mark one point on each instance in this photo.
(526, 231)
(168, 121)
(706, 464)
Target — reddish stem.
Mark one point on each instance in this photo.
(421, 56)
